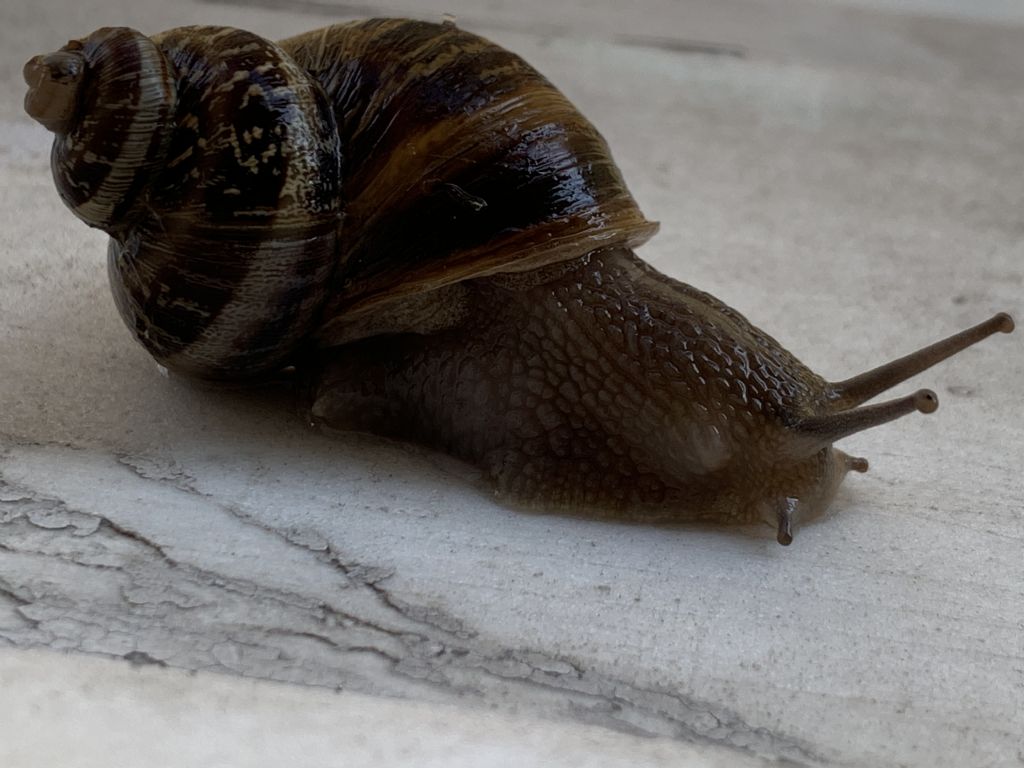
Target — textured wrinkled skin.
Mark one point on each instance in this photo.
(604, 386)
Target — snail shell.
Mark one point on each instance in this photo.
(216, 172)
(262, 192)
(427, 228)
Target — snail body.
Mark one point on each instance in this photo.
(435, 238)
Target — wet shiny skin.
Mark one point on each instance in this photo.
(601, 386)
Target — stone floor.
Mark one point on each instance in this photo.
(849, 174)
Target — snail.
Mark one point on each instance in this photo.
(427, 230)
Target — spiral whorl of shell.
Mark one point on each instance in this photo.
(109, 98)
(229, 271)
(226, 155)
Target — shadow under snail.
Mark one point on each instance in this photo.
(440, 243)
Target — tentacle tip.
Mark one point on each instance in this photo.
(857, 464)
(1004, 323)
(784, 530)
(925, 401)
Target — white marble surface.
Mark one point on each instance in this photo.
(852, 182)
(252, 724)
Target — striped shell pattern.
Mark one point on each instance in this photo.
(257, 193)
